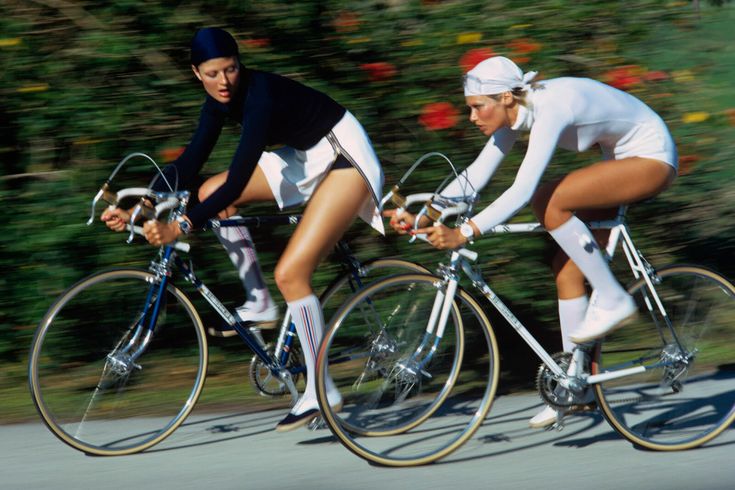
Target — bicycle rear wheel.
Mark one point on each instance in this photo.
(686, 394)
(403, 404)
(89, 387)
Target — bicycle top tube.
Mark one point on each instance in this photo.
(531, 227)
(537, 227)
(255, 221)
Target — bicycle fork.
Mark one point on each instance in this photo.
(122, 359)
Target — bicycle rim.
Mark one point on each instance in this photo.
(336, 294)
(89, 391)
(345, 286)
(686, 395)
(404, 401)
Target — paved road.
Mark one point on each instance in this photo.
(242, 451)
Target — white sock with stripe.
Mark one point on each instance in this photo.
(240, 248)
(306, 313)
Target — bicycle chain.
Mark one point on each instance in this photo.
(636, 399)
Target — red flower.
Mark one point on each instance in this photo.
(256, 43)
(687, 163)
(171, 154)
(730, 113)
(472, 57)
(624, 77)
(379, 70)
(656, 76)
(346, 22)
(524, 46)
(519, 60)
(439, 115)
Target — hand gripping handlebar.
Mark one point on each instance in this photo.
(166, 201)
(448, 208)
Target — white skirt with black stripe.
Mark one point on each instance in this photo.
(293, 175)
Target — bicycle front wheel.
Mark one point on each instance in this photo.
(103, 381)
(346, 285)
(336, 294)
(398, 372)
(680, 392)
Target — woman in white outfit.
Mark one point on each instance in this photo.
(639, 160)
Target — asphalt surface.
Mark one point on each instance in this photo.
(238, 450)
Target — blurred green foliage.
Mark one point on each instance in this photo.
(85, 83)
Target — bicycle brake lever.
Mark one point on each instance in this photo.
(140, 209)
(104, 194)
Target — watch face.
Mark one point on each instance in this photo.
(184, 226)
(466, 230)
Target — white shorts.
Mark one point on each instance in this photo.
(648, 140)
(293, 175)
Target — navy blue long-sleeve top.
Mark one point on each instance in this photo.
(272, 110)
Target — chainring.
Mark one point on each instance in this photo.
(265, 382)
(549, 388)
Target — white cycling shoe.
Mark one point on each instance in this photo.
(598, 321)
(265, 319)
(548, 415)
(544, 418)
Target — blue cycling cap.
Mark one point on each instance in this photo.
(212, 42)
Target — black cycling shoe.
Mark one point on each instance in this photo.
(291, 421)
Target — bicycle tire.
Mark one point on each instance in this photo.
(93, 397)
(366, 422)
(338, 291)
(686, 397)
(371, 270)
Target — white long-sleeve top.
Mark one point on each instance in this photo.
(570, 113)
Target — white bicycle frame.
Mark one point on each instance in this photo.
(619, 233)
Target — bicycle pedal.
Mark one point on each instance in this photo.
(270, 325)
(557, 426)
(317, 423)
(221, 333)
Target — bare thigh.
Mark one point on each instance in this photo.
(595, 193)
(602, 185)
(330, 211)
(256, 190)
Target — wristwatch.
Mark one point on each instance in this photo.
(184, 225)
(468, 232)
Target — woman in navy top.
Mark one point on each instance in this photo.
(325, 160)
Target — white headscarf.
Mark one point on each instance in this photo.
(496, 75)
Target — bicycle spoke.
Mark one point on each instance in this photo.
(402, 403)
(686, 394)
(102, 381)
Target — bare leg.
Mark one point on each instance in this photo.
(591, 193)
(595, 191)
(330, 211)
(602, 185)
(256, 190)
